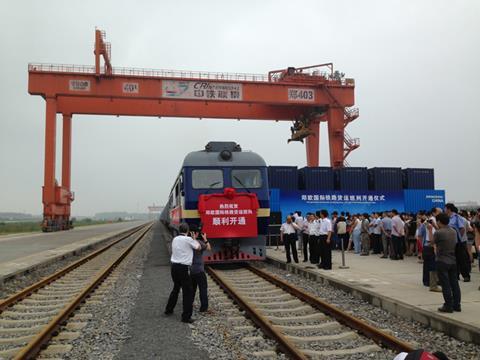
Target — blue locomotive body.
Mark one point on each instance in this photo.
(221, 167)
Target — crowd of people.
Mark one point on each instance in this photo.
(442, 239)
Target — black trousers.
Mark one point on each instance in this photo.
(377, 243)
(290, 242)
(313, 245)
(344, 238)
(447, 276)
(464, 266)
(305, 246)
(398, 245)
(428, 256)
(181, 280)
(200, 280)
(325, 252)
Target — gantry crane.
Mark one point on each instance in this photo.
(308, 95)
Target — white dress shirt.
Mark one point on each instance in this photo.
(398, 226)
(287, 228)
(325, 226)
(315, 228)
(182, 249)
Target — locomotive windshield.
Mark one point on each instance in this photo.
(246, 178)
(207, 179)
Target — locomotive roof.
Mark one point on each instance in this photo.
(212, 158)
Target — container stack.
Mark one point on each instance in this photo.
(415, 187)
(418, 179)
(385, 179)
(283, 177)
(351, 179)
(316, 178)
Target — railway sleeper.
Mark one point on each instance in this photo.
(366, 349)
(348, 335)
(23, 323)
(331, 325)
(269, 297)
(297, 319)
(16, 340)
(299, 309)
(7, 332)
(57, 349)
(22, 315)
(43, 306)
(283, 304)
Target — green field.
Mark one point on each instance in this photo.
(35, 226)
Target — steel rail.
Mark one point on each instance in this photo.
(346, 319)
(285, 345)
(11, 300)
(36, 344)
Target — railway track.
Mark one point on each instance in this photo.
(47, 309)
(302, 325)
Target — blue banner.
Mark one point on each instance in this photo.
(354, 202)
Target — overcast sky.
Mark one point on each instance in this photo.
(416, 65)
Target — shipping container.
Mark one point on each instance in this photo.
(274, 199)
(414, 178)
(385, 179)
(316, 178)
(423, 200)
(351, 178)
(283, 177)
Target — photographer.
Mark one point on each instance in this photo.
(426, 233)
(197, 270)
(181, 260)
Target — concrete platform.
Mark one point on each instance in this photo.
(24, 252)
(395, 286)
(153, 335)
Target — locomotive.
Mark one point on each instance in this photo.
(224, 190)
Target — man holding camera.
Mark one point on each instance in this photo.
(181, 260)
(427, 230)
(197, 270)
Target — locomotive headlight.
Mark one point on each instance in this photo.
(226, 155)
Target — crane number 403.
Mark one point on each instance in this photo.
(301, 95)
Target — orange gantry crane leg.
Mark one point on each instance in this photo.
(312, 94)
(56, 199)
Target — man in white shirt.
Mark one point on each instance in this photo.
(398, 235)
(299, 220)
(288, 236)
(313, 238)
(377, 233)
(305, 236)
(182, 256)
(325, 232)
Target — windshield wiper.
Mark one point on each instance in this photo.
(240, 182)
(212, 185)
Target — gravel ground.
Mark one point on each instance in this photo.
(107, 330)
(410, 331)
(16, 284)
(216, 332)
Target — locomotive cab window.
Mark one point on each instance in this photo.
(246, 178)
(207, 179)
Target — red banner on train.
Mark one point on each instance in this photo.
(229, 215)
